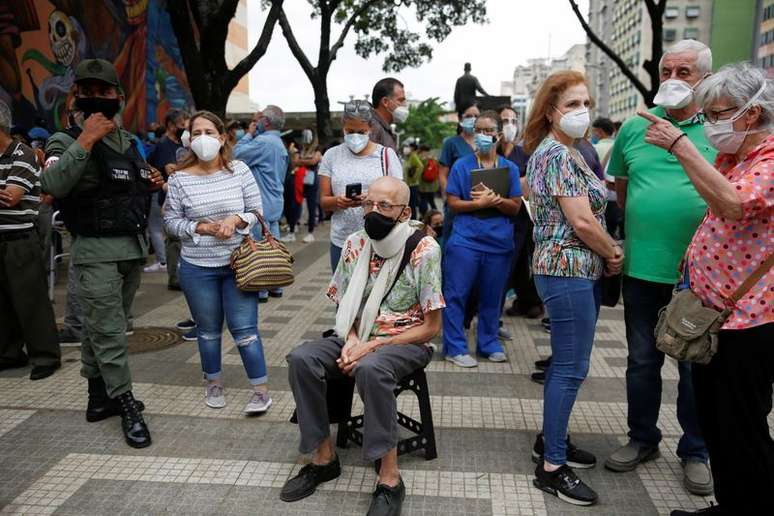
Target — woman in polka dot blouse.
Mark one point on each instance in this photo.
(734, 391)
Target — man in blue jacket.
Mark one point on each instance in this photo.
(263, 151)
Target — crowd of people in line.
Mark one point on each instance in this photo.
(680, 196)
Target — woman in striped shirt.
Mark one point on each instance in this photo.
(211, 204)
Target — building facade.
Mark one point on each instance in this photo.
(624, 25)
(764, 35)
(238, 45)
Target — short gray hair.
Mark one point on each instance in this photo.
(739, 82)
(702, 51)
(275, 115)
(360, 110)
(5, 117)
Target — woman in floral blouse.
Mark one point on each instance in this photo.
(572, 251)
(734, 391)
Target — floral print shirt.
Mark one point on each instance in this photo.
(417, 291)
(723, 253)
(555, 170)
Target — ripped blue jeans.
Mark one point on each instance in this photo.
(213, 296)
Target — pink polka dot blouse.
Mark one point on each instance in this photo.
(723, 253)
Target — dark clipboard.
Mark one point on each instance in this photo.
(497, 180)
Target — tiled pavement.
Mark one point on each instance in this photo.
(205, 461)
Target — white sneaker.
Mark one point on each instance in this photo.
(259, 403)
(156, 267)
(214, 396)
(290, 237)
(462, 360)
(309, 238)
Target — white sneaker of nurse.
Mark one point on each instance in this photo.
(259, 403)
(214, 396)
(308, 239)
(156, 267)
(290, 237)
(462, 360)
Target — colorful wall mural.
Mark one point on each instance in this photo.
(42, 41)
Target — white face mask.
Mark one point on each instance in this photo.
(722, 134)
(185, 139)
(575, 123)
(307, 136)
(510, 132)
(356, 142)
(400, 114)
(674, 94)
(205, 147)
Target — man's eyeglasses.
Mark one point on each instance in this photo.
(382, 205)
(357, 107)
(486, 130)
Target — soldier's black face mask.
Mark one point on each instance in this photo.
(91, 105)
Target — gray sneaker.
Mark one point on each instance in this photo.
(497, 356)
(697, 477)
(214, 396)
(462, 360)
(628, 457)
(259, 403)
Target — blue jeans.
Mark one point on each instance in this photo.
(212, 294)
(335, 257)
(257, 233)
(642, 302)
(573, 306)
(464, 268)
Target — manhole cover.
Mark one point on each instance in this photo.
(152, 339)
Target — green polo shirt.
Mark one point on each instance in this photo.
(70, 169)
(663, 208)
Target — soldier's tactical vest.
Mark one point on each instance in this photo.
(119, 204)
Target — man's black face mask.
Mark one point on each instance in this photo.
(91, 105)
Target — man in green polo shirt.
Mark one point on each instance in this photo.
(102, 184)
(662, 212)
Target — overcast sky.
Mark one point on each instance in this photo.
(518, 30)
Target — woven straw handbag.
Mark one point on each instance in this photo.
(263, 265)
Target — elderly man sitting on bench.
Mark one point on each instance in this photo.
(388, 290)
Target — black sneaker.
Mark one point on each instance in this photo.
(188, 324)
(386, 500)
(576, 458)
(564, 484)
(538, 377)
(713, 510)
(307, 480)
(44, 371)
(542, 365)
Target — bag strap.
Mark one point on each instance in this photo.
(750, 282)
(385, 162)
(264, 231)
(411, 245)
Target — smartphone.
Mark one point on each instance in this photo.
(353, 190)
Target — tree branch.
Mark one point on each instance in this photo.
(244, 66)
(609, 52)
(295, 48)
(182, 24)
(347, 26)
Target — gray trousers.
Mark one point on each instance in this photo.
(73, 323)
(376, 375)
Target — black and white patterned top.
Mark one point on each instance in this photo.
(192, 199)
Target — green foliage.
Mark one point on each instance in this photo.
(382, 30)
(424, 121)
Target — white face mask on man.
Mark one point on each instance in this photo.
(510, 132)
(675, 94)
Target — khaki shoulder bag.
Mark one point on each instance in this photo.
(263, 265)
(688, 330)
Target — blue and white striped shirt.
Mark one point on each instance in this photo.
(192, 199)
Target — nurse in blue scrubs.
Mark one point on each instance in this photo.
(480, 249)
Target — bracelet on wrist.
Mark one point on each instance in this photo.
(675, 142)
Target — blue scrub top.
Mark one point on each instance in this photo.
(491, 235)
(453, 149)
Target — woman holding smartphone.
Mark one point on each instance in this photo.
(347, 170)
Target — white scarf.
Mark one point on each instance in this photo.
(391, 249)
